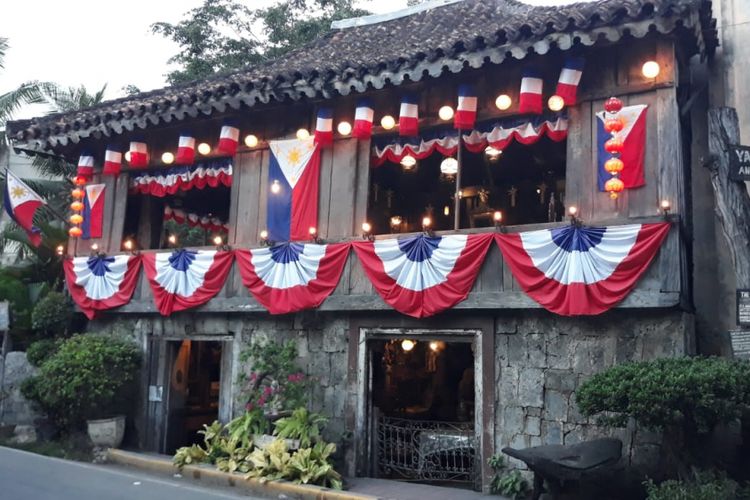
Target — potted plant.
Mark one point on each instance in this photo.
(87, 380)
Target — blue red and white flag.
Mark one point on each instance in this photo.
(570, 77)
(185, 149)
(183, 279)
(423, 275)
(466, 111)
(93, 211)
(112, 160)
(363, 118)
(138, 154)
(408, 116)
(85, 165)
(99, 283)
(531, 92)
(20, 203)
(633, 136)
(581, 270)
(290, 277)
(324, 127)
(229, 139)
(293, 178)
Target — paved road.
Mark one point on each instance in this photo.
(27, 476)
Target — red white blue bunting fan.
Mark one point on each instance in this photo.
(99, 283)
(165, 181)
(186, 278)
(423, 275)
(291, 277)
(581, 270)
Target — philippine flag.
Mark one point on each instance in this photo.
(408, 117)
(531, 92)
(20, 203)
(293, 177)
(363, 118)
(229, 139)
(570, 77)
(185, 149)
(633, 136)
(138, 154)
(98, 283)
(324, 127)
(466, 111)
(112, 160)
(93, 211)
(86, 164)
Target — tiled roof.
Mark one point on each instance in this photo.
(453, 36)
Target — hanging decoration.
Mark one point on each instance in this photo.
(138, 154)
(394, 149)
(423, 275)
(213, 224)
(621, 133)
(112, 160)
(531, 92)
(185, 149)
(576, 270)
(466, 111)
(165, 181)
(93, 211)
(290, 277)
(408, 117)
(21, 203)
(363, 118)
(570, 77)
(324, 127)
(293, 177)
(85, 165)
(99, 283)
(229, 139)
(183, 279)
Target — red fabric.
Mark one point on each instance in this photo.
(85, 171)
(568, 92)
(530, 103)
(305, 200)
(362, 129)
(167, 303)
(185, 156)
(464, 120)
(111, 168)
(579, 299)
(90, 307)
(24, 216)
(435, 299)
(555, 135)
(634, 154)
(154, 188)
(324, 138)
(297, 298)
(408, 125)
(227, 146)
(138, 160)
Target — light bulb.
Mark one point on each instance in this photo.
(251, 141)
(264, 235)
(449, 166)
(204, 148)
(218, 240)
(556, 103)
(172, 239)
(366, 227)
(60, 249)
(387, 122)
(128, 244)
(275, 187)
(344, 128)
(303, 133)
(395, 221)
(497, 216)
(94, 247)
(665, 206)
(313, 231)
(503, 102)
(573, 210)
(445, 113)
(650, 69)
(492, 152)
(408, 162)
(446, 210)
(127, 156)
(167, 158)
(434, 346)
(426, 222)
(407, 345)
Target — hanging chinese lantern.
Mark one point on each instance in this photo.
(614, 146)
(614, 186)
(77, 193)
(76, 206)
(614, 165)
(79, 180)
(75, 232)
(612, 105)
(613, 125)
(76, 219)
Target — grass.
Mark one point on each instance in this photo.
(68, 447)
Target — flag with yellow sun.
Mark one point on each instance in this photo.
(21, 202)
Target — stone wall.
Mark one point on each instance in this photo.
(17, 410)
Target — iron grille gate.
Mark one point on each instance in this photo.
(427, 450)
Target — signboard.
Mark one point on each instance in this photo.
(743, 307)
(4, 316)
(740, 343)
(739, 163)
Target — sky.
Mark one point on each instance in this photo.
(97, 42)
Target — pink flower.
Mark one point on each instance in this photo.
(267, 391)
(253, 376)
(250, 406)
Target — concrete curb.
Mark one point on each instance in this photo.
(210, 475)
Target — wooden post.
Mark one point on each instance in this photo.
(457, 199)
(732, 202)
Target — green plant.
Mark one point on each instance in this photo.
(249, 424)
(270, 463)
(189, 455)
(302, 425)
(88, 377)
(505, 482)
(41, 350)
(311, 465)
(52, 314)
(702, 486)
(275, 384)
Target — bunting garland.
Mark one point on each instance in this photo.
(99, 283)
(194, 220)
(166, 181)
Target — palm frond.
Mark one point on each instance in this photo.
(66, 99)
(3, 49)
(53, 167)
(28, 93)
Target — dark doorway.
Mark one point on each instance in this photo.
(194, 386)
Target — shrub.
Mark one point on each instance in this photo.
(704, 486)
(88, 377)
(52, 314)
(276, 383)
(41, 350)
(509, 483)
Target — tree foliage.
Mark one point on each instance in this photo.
(224, 35)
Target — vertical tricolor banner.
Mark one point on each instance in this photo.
(229, 138)
(363, 118)
(138, 154)
(293, 177)
(85, 164)
(185, 149)
(633, 136)
(21, 203)
(531, 92)
(112, 160)
(466, 111)
(570, 77)
(324, 127)
(408, 117)
(93, 211)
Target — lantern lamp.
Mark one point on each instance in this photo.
(76, 206)
(613, 187)
(503, 102)
(75, 232)
(344, 128)
(573, 210)
(614, 166)
(614, 146)
(127, 156)
(303, 133)
(426, 223)
(77, 193)
(76, 219)
(556, 103)
(251, 141)
(446, 210)
(387, 122)
(264, 235)
(445, 113)
(665, 207)
(407, 345)
(613, 125)
(80, 180)
(650, 69)
(449, 166)
(94, 247)
(367, 231)
(172, 239)
(497, 216)
(167, 158)
(128, 245)
(492, 153)
(612, 105)
(218, 240)
(313, 231)
(204, 148)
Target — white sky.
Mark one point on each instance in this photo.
(93, 42)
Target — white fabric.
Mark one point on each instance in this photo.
(409, 110)
(398, 149)
(293, 156)
(19, 192)
(418, 276)
(287, 275)
(86, 161)
(467, 103)
(93, 192)
(171, 179)
(629, 115)
(531, 85)
(186, 142)
(324, 124)
(596, 264)
(570, 76)
(366, 114)
(228, 132)
(100, 287)
(183, 283)
(138, 147)
(113, 156)
(525, 130)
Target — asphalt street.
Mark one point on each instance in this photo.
(27, 476)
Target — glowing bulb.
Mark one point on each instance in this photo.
(128, 244)
(408, 162)
(172, 239)
(76, 219)
(80, 180)
(366, 227)
(204, 148)
(434, 345)
(60, 249)
(407, 345)
(387, 122)
(497, 216)
(492, 152)
(344, 128)
(426, 222)
(75, 232)
(573, 210)
(650, 69)
(303, 133)
(76, 206)
(94, 247)
(77, 193)
(167, 158)
(264, 235)
(449, 166)
(313, 231)
(665, 206)
(275, 187)
(127, 156)
(503, 102)
(218, 240)
(445, 113)
(446, 210)
(395, 221)
(556, 103)
(251, 141)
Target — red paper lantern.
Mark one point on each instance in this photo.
(80, 180)
(76, 219)
(76, 206)
(75, 232)
(613, 105)
(612, 125)
(614, 166)
(614, 146)
(613, 187)
(77, 193)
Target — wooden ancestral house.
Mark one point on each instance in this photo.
(468, 372)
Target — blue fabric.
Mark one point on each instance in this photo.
(572, 238)
(181, 259)
(218, 163)
(99, 266)
(286, 252)
(279, 216)
(419, 248)
(86, 224)
(601, 154)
